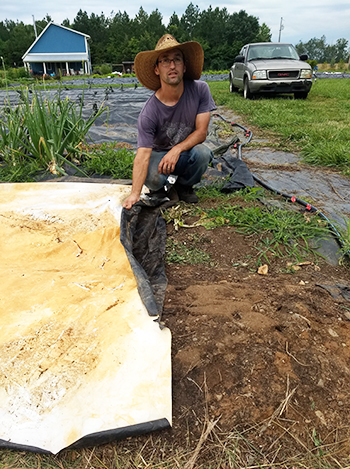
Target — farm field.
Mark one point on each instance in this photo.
(260, 359)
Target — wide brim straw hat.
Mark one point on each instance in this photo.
(146, 60)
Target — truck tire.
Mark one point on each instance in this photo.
(300, 94)
(246, 91)
(233, 89)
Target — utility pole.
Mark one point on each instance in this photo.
(36, 34)
(281, 27)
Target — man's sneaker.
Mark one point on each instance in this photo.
(186, 193)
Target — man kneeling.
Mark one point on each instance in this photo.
(173, 123)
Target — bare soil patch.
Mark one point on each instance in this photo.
(266, 354)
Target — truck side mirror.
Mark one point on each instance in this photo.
(239, 58)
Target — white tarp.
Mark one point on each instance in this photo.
(79, 353)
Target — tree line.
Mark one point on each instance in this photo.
(319, 50)
(117, 37)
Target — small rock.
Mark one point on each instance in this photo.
(320, 383)
(320, 415)
(347, 315)
(263, 269)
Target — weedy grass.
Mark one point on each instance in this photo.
(278, 232)
(182, 253)
(107, 160)
(318, 127)
(345, 243)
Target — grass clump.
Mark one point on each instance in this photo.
(110, 161)
(281, 232)
(345, 243)
(278, 232)
(178, 252)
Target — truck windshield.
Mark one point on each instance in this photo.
(272, 51)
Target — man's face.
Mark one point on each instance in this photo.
(170, 67)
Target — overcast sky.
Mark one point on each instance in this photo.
(302, 20)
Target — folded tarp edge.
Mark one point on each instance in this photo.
(143, 236)
(98, 438)
(108, 436)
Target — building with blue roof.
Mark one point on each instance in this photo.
(59, 50)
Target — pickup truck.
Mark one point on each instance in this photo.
(270, 67)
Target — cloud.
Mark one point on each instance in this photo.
(301, 21)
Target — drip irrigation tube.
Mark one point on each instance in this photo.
(291, 198)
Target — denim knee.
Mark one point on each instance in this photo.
(202, 154)
(154, 180)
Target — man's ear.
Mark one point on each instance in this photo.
(156, 71)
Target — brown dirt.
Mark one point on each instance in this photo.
(266, 354)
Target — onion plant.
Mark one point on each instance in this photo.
(50, 130)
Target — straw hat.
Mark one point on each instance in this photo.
(145, 61)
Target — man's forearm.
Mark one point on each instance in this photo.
(139, 175)
(199, 135)
(196, 137)
(140, 169)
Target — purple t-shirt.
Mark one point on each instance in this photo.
(160, 127)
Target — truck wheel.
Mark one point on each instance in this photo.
(300, 95)
(232, 87)
(246, 91)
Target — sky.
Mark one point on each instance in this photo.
(301, 20)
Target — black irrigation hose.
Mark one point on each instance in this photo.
(291, 198)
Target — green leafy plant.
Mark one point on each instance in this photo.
(109, 161)
(50, 130)
(180, 253)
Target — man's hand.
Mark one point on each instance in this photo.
(130, 201)
(169, 160)
(139, 174)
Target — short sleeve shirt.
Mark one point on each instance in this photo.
(161, 127)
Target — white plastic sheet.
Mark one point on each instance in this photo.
(79, 353)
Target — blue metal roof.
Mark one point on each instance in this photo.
(56, 39)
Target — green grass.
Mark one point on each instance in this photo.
(278, 232)
(182, 253)
(106, 160)
(345, 243)
(318, 127)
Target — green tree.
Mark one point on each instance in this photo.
(264, 34)
(189, 20)
(155, 26)
(341, 50)
(120, 29)
(315, 49)
(21, 38)
(140, 22)
(96, 26)
(319, 50)
(175, 28)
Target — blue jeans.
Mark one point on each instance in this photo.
(190, 167)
